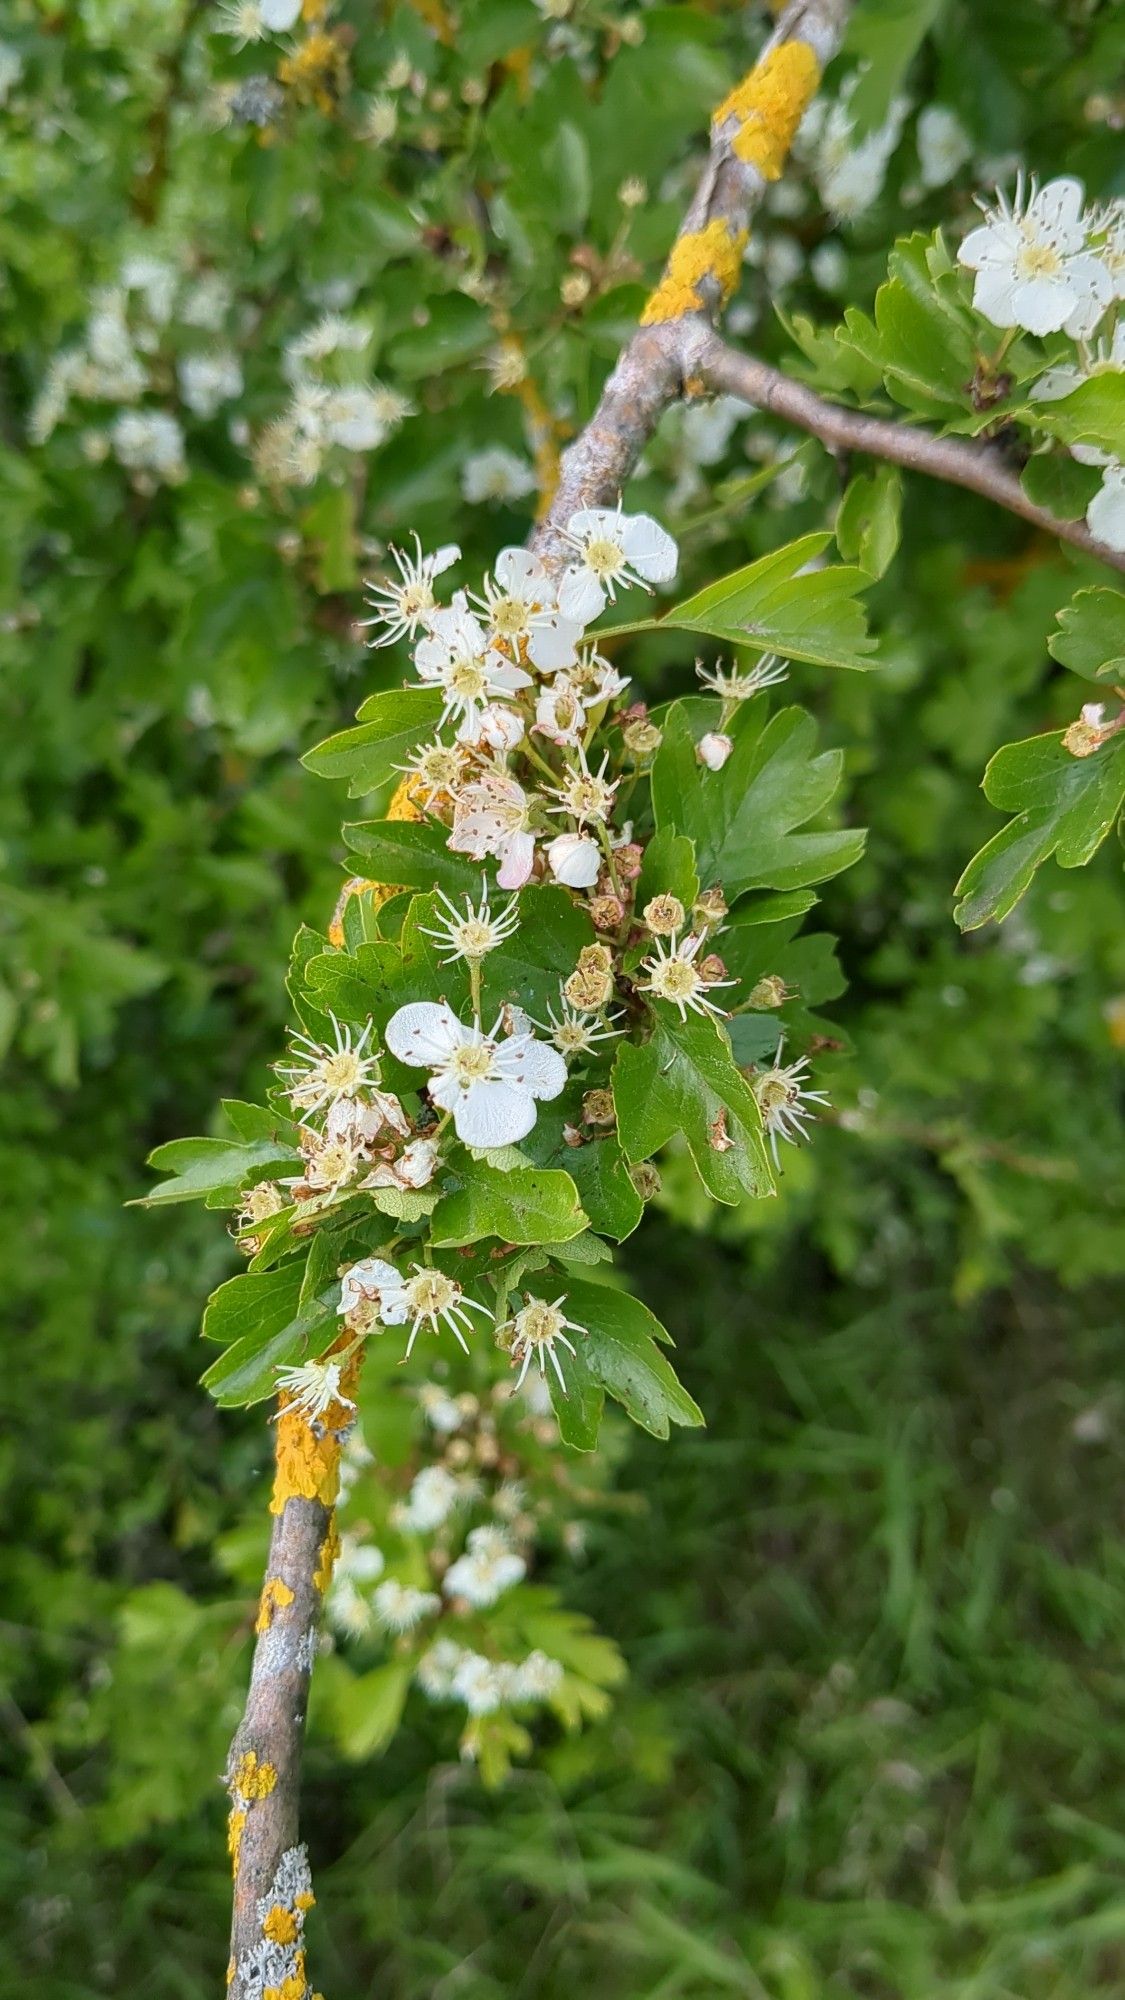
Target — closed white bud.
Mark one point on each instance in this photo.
(713, 750)
(575, 860)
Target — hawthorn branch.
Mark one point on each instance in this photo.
(751, 132)
(978, 468)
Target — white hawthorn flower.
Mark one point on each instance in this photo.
(538, 1329)
(596, 678)
(559, 714)
(366, 1121)
(612, 551)
(441, 1410)
(500, 728)
(493, 816)
(584, 794)
(490, 1085)
(943, 144)
(242, 20)
(457, 656)
(1112, 250)
(472, 933)
(414, 1168)
(538, 1677)
(329, 1163)
(1105, 515)
(436, 1669)
(437, 769)
(496, 474)
(713, 749)
(674, 976)
(782, 1097)
(149, 441)
(490, 1567)
(355, 418)
(574, 1034)
(483, 1685)
(431, 1500)
(208, 380)
(312, 1388)
(427, 1299)
(732, 684)
(575, 860)
(321, 1074)
(402, 608)
(517, 600)
(1033, 262)
(399, 1607)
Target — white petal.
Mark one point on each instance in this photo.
(1105, 516)
(424, 1033)
(992, 296)
(575, 859)
(1042, 304)
(649, 548)
(516, 569)
(444, 558)
(554, 645)
(373, 1274)
(517, 864)
(533, 1065)
(494, 1114)
(591, 521)
(1058, 206)
(502, 674)
(581, 596)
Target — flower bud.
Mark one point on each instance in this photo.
(664, 916)
(575, 860)
(713, 750)
(1090, 731)
(712, 967)
(575, 288)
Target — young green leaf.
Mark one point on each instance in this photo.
(1090, 639)
(391, 725)
(1065, 806)
(778, 605)
(621, 1352)
(685, 1080)
(528, 1205)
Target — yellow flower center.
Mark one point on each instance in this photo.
(467, 681)
(474, 938)
(414, 598)
(538, 1323)
(604, 557)
(1038, 260)
(510, 616)
(675, 979)
(431, 1293)
(471, 1062)
(342, 1071)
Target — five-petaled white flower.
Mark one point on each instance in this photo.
(612, 550)
(518, 601)
(312, 1389)
(491, 1085)
(537, 1330)
(584, 794)
(490, 1567)
(473, 932)
(1035, 268)
(321, 1074)
(457, 656)
(782, 1099)
(399, 1607)
(493, 816)
(674, 976)
(404, 607)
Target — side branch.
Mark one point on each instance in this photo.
(751, 133)
(976, 467)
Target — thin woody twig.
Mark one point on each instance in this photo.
(976, 467)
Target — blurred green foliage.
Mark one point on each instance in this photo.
(874, 1615)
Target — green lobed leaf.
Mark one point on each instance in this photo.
(1065, 806)
(621, 1352)
(577, 1406)
(407, 855)
(685, 1080)
(526, 1205)
(392, 724)
(743, 818)
(869, 519)
(201, 1167)
(1090, 639)
(778, 605)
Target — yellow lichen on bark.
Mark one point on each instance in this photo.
(711, 253)
(307, 1466)
(294, 1988)
(275, 1596)
(253, 1780)
(236, 1827)
(768, 105)
(280, 1925)
(326, 1558)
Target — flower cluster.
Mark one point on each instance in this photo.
(334, 403)
(1047, 263)
(157, 332)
